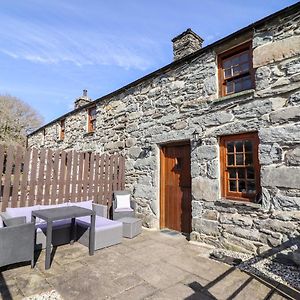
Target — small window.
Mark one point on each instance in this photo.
(240, 167)
(91, 119)
(235, 70)
(62, 130)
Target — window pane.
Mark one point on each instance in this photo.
(235, 60)
(229, 87)
(230, 147)
(251, 187)
(247, 84)
(241, 173)
(227, 73)
(248, 159)
(232, 186)
(227, 63)
(232, 173)
(242, 186)
(239, 159)
(250, 173)
(248, 146)
(239, 146)
(230, 160)
(244, 67)
(238, 86)
(244, 57)
(236, 70)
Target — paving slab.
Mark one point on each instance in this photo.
(141, 291)
(162, 275)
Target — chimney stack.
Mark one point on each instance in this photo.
(186, 43)
(82, 100)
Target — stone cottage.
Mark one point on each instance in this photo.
(212, 140)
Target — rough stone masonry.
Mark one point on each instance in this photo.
(171, 103)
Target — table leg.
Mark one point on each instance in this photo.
(92, 235)
(73, 231)
(33, 220)
(48, 245)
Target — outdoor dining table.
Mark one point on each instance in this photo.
(61, 213)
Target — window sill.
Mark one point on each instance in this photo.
(91, 133)
(239, 203)
(235, 96)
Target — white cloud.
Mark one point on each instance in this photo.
(46, 44)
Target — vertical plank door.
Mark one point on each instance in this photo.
(176, 188)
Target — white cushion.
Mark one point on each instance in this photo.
(14, 212)
(85, 204)
(1, 222)
(127, 209)
(123, 201)
(53, 206)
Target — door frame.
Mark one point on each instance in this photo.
(162, 212)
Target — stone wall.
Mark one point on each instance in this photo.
(170, 106)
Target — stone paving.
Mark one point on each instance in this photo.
(153, 265)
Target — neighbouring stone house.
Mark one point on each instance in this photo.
(212, 140)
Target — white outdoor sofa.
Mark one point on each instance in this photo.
(107, 232)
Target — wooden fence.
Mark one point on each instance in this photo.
(49, 177)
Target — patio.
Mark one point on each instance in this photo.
(153, 265)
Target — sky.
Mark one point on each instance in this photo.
(51, 50)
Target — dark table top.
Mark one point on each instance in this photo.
(60, 213)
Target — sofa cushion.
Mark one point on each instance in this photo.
(22, 212)
(99, 224)
(1, 222)
(14, 221)
(53, 205)
(85, 204)
(123, 201)
(55, 225)
(127, 209)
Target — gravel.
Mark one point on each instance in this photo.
(268, 266)
(52, 295)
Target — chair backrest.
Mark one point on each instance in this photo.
(121, 193)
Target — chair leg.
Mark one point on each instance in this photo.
(32, 263)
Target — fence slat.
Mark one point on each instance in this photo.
(85, 175)
(68, 177)
(91, 177)
(17, 172)
(99, 182)
(7, 177)
(25, 177)
(122, 165)
(61, 180)
(33, 172)
(95, 178)
(74, 176)
(106, 180)
(41, 172)
(115, 172)
(79, 181)
(54, 178)
(48, 171)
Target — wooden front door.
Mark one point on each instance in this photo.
(175, 204)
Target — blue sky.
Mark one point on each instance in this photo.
(51, 50)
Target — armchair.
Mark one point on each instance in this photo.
(16, 242)
(122, 205)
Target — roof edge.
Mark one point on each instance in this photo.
(174, 64)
